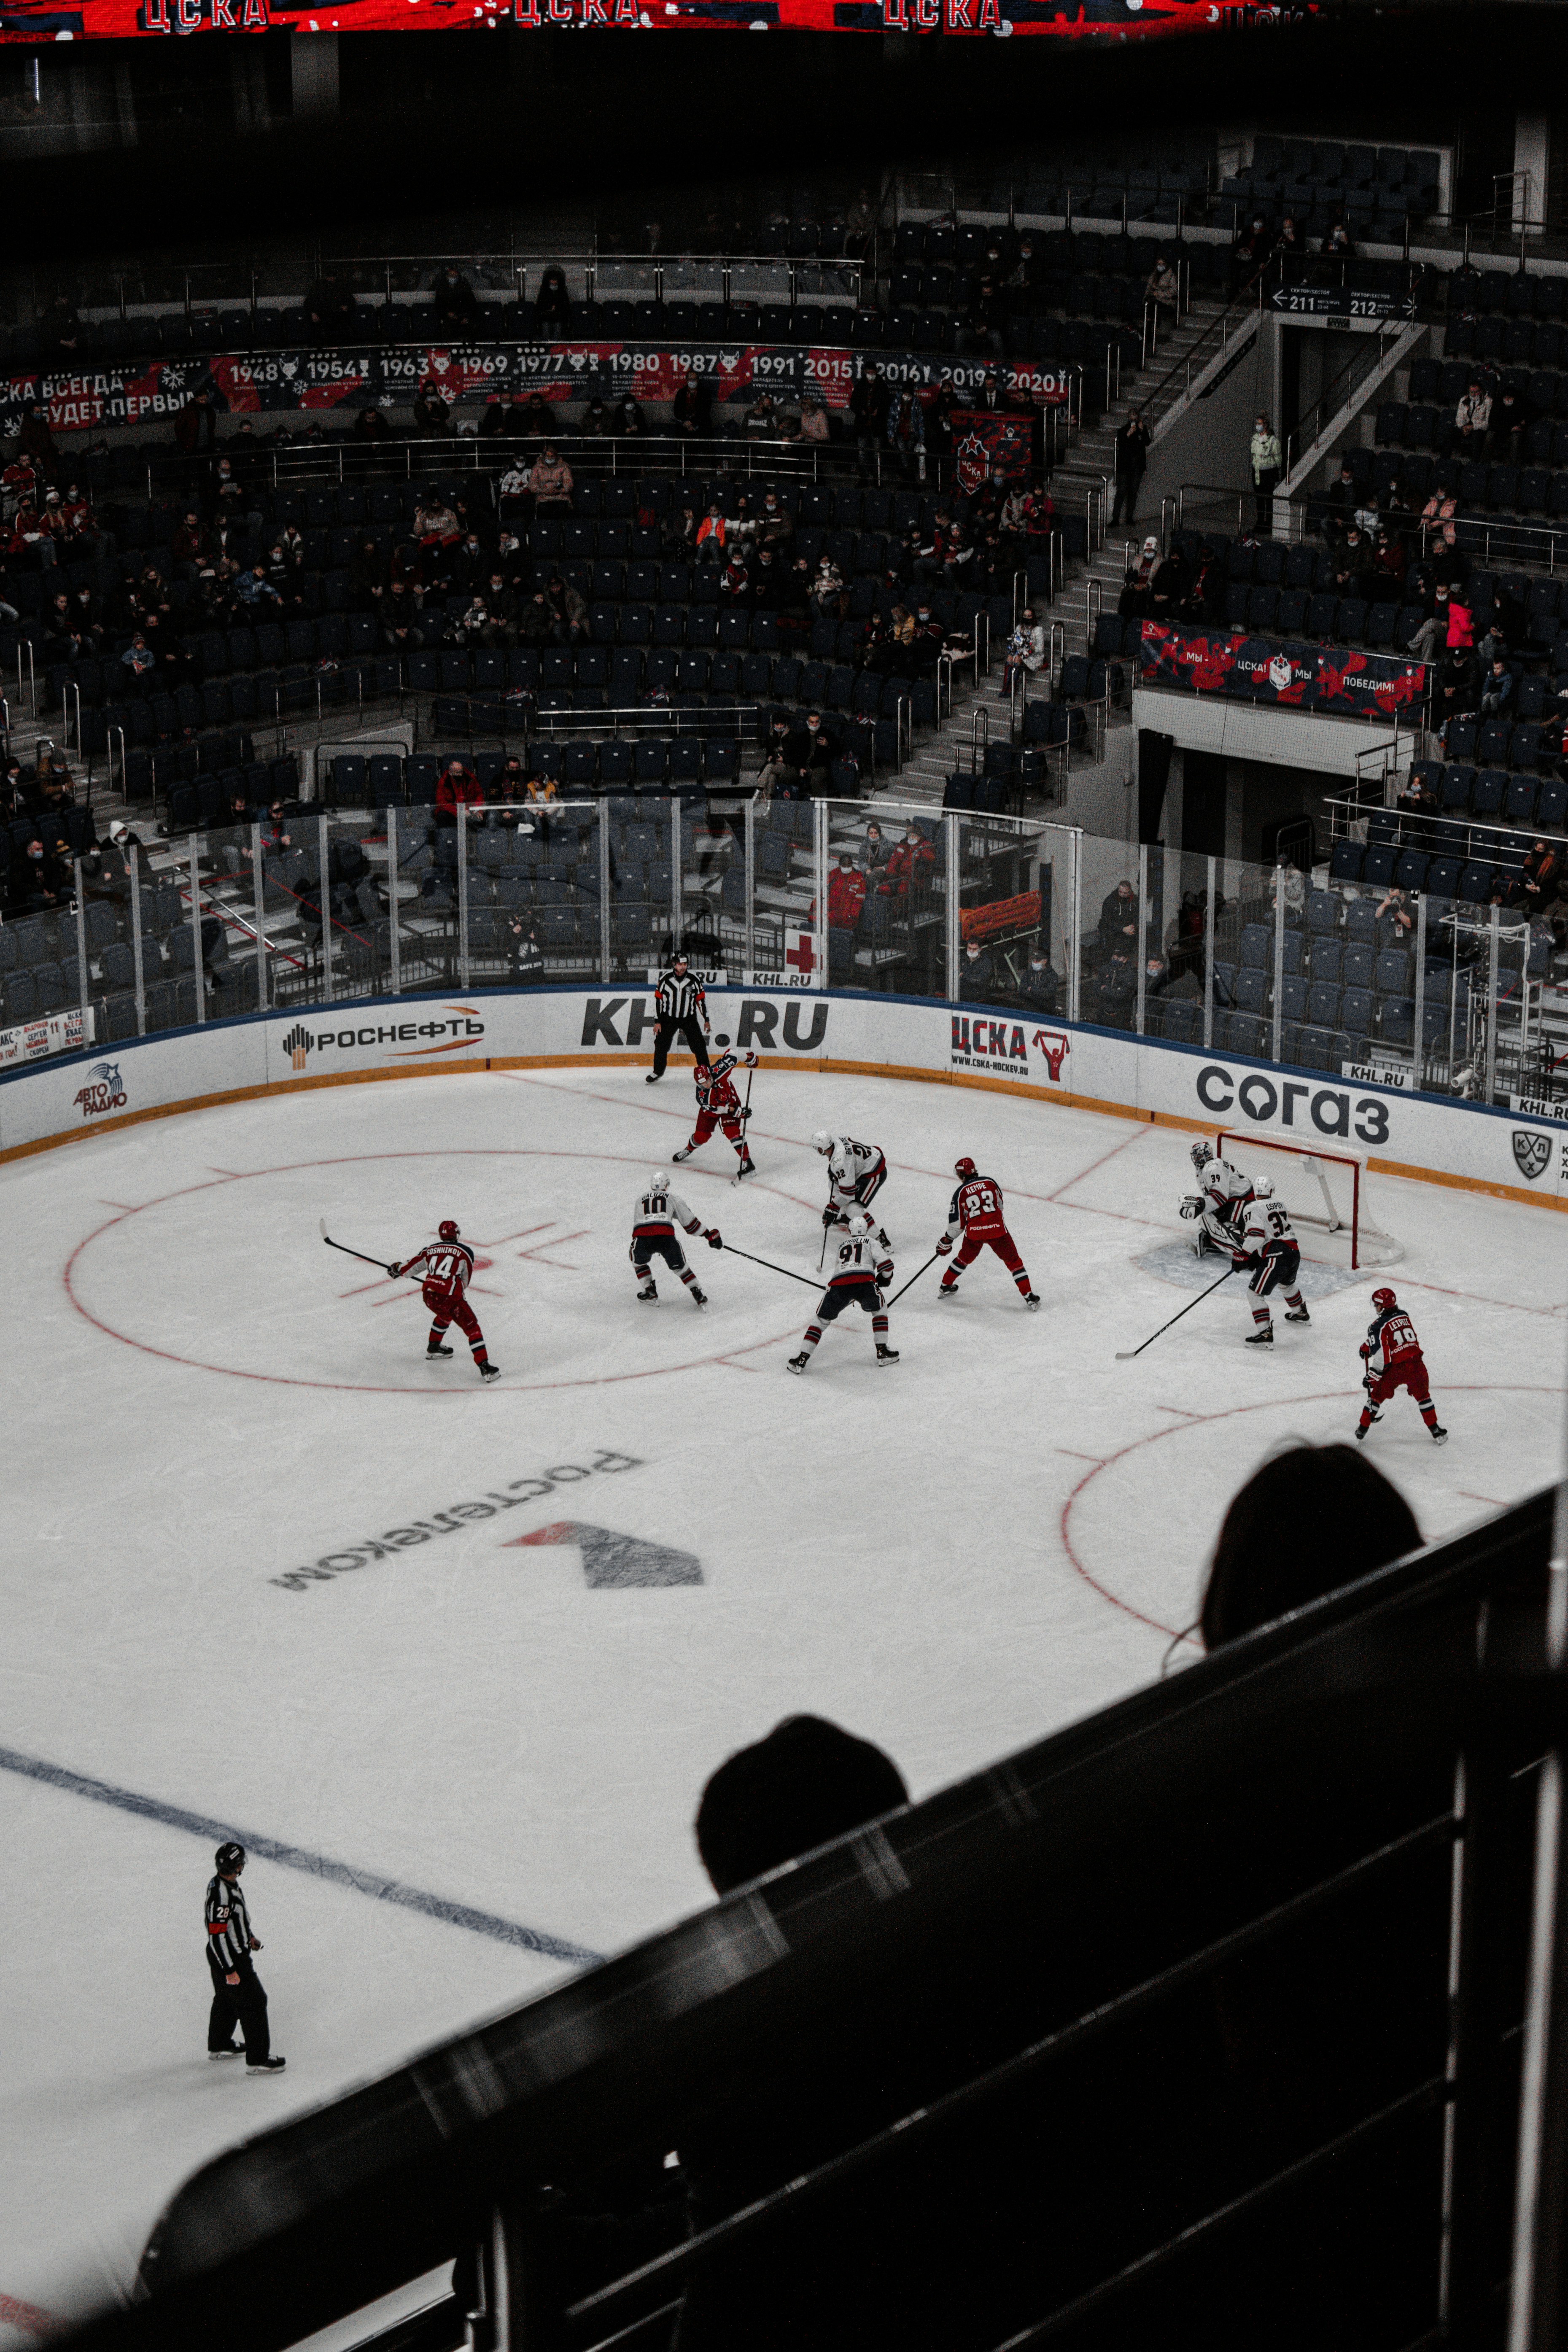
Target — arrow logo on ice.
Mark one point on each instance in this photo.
(612, 1559)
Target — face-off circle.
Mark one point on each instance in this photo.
(529, 1240)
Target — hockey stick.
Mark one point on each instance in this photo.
(326, 1236)
(1125, 1355)
(745, 1115)
(772, 1267)
(911, 1282)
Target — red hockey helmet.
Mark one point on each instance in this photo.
(448, 1230)
(1383, 1300)
(964, 1168)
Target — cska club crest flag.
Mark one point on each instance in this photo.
(987, 441)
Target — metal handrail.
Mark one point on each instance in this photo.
(1093, 601)
(1197, 356)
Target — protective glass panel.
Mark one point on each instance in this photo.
(1260, 988)
(900, 942)
(1006, 877)
(786, 950)
(534, 893)
(1112, 931)
(1176, 929)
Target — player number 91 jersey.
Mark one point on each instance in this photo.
(859, 1261)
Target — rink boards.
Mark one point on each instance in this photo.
(1469, 1145)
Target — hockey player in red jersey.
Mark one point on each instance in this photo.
(718, 1104)
(976, 1212)
(862, 1272)
(1394, 1361)
(444, 1267)
(656, 1216)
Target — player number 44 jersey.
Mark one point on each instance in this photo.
(444, 1266)
(977, 1209)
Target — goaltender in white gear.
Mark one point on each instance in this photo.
(657, 1215)
(856, 1174)
(1219, 1205)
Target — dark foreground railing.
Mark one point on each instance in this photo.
(1206, 2015)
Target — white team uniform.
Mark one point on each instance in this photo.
(856, 1174)
(1219, 1204)
(1260, 1223)
(658, 1219)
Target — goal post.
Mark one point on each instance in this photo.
(1319, 1186)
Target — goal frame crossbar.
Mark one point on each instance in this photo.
(1369, 1246)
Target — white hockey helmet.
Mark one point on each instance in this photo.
(858, 1228)
(822, 1141)
(1263, 1188)
(1202, 1154)
(658, 1181)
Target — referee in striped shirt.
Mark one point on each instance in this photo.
(681, 1004)
(237, 1995)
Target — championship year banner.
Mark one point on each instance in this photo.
(86, 399)
(1333, 679)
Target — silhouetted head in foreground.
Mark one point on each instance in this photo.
(1308, 1521)
(806, 1783)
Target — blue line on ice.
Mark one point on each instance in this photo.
(294, 1857)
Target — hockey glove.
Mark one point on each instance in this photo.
(1193, 1206)
(714, 1239)
(944, 1245)
(885, 1272)
(395, 1271)
(831, 1215)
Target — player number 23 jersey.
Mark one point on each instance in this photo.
(976, 1208)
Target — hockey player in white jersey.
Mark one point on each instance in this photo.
(862, 1271)
(658, 1219)
(1219, 1204)
(856, 1174)
(1266, 1241)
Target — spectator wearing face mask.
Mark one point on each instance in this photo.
(1267, 462)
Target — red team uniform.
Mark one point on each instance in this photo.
(977, 1214)
(1394, 1361)
(444, 1267)
(718, 1105)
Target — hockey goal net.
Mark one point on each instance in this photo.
(1318, 1187)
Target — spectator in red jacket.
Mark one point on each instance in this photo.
(910, 867)
(458, 788)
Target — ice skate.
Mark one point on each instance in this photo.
(1297, 1315)
(265, 2065)
(233, 2050)
(748, 1167)
(1032, 1299)
(1439, 1436)
(653, 1077)
(1363, 1426)
(648, 1291)
(947, 1290)
(798, 1363)
(430, 1353)
(885, 1355)
(684, 1152)
(698, 1298)
(489, 1371)
(1264, 1338)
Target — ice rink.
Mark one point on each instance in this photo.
(461, 1759)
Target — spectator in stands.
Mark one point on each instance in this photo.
(1290, 255)
(1247, 254)
(1267, 461)
(568, 612)
(1505, 435)
(910, 867)
(859, 224)
(1116, 988)
(524, 954)
(629, 421)
(453, 299)
(1435, 631)
(549, 483)
(1473, 416)
(1136, 582)
(712, 534)
(139, 662)
(1454, 691)
(803, 1785)
(1131, 447)
(45, 877)
(1185, 941)
(1395, 911)
(1039, 989)
(809, 751)
(1025, 650)
(906, 431)
(552, 305)
(432, 417)
(1205, 597)
(595, 423)
(331, 312)
(1497, 689)
(1336, 248)
(1162, 290)
(980, 329)
(846, 894)
(1119, 918)
(370, 426)
(1540, 878)
(1312, 1519)
(195, 425)
(458, 787)
(402, 622)
(828, 589)
(814, 425)
(976, 975)
(869, 405)
(678, 533)
(59, 327)
(691, 410)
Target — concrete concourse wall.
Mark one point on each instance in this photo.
(65, 1101)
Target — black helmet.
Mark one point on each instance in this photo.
(229, 1858)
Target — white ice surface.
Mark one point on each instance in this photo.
(953, 1557)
